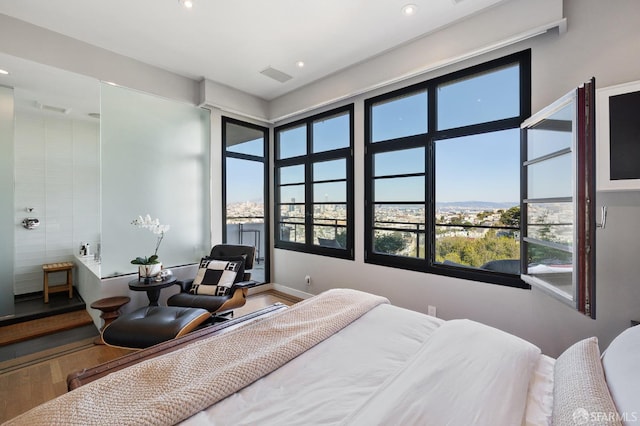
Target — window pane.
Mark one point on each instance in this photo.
(400, 230)
(408, 216)
(292, 212)
(483, 168)
(399, 162)
(478, 183)
(333, 192)
(485, 214)
(399, 117)
(481, 98)
(292, 231)
(399, 189)
(551, 134)
(330, 212)
(244, 192)
(292, 174)
(551, 178)
(331, 133)
(292, 142)
(244, 140)
(292, 223)
(399, 243)
(292, 194)
(551, 222)
(489, 249)
(330, 225)
(330, 237)
(552, 266)
(330, 170)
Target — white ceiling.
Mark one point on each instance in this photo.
(231, 41)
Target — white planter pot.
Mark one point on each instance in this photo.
(149, 271)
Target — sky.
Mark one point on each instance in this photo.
(483, 167)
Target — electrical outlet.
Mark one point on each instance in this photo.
(307, 280)
(431, 310)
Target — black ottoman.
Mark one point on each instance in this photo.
(151, 325)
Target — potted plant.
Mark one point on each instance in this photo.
(150, 266)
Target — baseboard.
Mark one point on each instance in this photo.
(281, 288)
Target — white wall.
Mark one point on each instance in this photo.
(57, 173)
(19, 38)
(602, 40)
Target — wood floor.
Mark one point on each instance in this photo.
(36, 382)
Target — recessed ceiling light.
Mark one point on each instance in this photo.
(186, 3)
(300, 64)
(4, 72)
(409, 9)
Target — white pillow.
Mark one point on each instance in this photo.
(215, 277)
(580, 393)
(621, 362)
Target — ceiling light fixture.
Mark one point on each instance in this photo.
(186, 3)
(4, 72)
(409, 9)
(300, 64)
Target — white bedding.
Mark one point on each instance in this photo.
(329, 381)
(348, 379)
(466, 373)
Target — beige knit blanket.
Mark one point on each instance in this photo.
(175, 386)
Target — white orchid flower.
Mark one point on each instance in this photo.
(156, 228)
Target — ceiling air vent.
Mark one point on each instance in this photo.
(275, 74)
(52, 108)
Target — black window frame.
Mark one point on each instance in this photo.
(427, 140)
(264, 159)
(308, 160)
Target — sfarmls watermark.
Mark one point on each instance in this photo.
(582, 416)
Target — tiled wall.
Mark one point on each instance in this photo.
(57, 174)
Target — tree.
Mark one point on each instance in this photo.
(511, 217)
(477, 251)
(389, 243)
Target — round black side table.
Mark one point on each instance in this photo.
(152, 287)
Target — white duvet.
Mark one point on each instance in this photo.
(465, 374)
(392, 367)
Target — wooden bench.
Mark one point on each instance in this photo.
(58, 267)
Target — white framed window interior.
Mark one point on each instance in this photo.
(617, 169)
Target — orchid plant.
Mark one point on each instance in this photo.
(155, 227)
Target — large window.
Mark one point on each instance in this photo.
(443, 173)
(245, 190)
(314, 184)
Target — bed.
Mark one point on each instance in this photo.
(350, 358)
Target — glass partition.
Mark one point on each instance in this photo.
(155, 160)
(7, 222)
